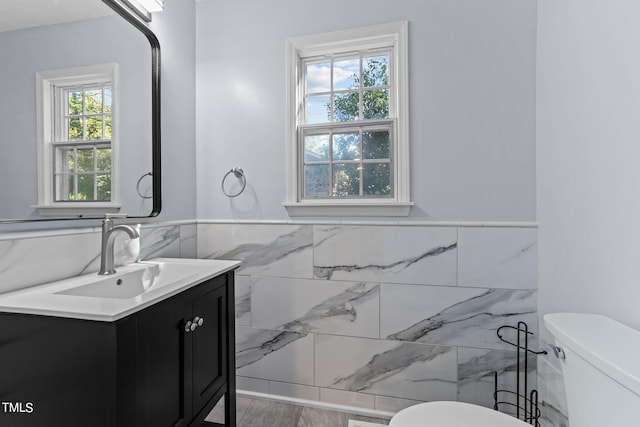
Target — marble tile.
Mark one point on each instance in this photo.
(125, 249)
(28, 262)
(261, 413)
(393, 404)
(348, 398)
(296, 391)
(497, 257)
(405, 370)
(552, 416)
(188, 241)
(160, 242)
(421, 255)
(275, 355)
(266, 250)
(243, 300)
(255, 385)
(476, 380)
(344, 308)
(453, 315)
(552, 392)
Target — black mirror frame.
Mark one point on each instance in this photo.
(156, 175)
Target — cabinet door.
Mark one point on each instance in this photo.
(209, 345)
(164, 377)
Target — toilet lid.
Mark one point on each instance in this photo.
(452, 414)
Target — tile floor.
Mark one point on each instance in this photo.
(264, 413)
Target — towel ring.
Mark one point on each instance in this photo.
(239, 173)
(138, 186)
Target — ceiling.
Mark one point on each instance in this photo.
(18, 14)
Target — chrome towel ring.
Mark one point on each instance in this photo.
(239, 173)
(138, 186)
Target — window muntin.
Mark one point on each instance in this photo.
(82, 153)
(355, 161)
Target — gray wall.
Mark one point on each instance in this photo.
(587, 154)
(175, 28)
(472, 84)
(588, 133)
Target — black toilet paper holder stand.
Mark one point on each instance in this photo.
(524, 402)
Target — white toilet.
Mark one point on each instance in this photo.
(601, 368)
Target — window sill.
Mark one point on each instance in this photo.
(77, 209)
(347, 208)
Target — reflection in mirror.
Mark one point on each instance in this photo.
(106, 127)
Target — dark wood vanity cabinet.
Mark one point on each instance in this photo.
(166, 365)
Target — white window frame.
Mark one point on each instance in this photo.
(48, 86)
(392, 35)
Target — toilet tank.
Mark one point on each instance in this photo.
(601, 369)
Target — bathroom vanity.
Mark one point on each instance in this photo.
(75, 353)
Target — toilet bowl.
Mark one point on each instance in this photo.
(452, 414)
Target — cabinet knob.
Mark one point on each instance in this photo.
(189, 326)
(198, 320)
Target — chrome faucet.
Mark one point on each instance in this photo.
(108, 239)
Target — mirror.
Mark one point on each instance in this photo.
(46, 36)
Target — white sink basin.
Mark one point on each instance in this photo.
(151, 276)
(108, 298)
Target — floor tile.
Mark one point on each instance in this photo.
(217, 414)
(262, 413)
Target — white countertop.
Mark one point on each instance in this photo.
(51, 299)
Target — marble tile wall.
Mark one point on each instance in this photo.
(29, 259)
(551, 389)
(375, 316)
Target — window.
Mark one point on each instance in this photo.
(348, 123)
(76, 144)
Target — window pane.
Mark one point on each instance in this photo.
(318, 78)
(375, 71)
(376, 104)
(104, 188)
(376, 179)
(67, 160)
(85, 187)
(64, 187)
(346, 180)
(75, 129)
(346, 146)
(346, 107)
(93, 101)
(107, 127)
(318, 109)
(107, 99)
(316, 181)
(75, 103)
(376, 144)
(346, 74)
(94, 127)
(85, 160)
(104, 159)
(316, 148)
